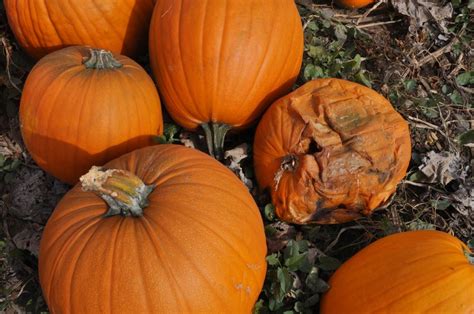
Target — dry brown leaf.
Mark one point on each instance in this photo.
(234, 158)
(441, 167)
(422, 11)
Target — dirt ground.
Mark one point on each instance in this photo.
(419, 57)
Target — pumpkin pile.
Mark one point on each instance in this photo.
(168, 229)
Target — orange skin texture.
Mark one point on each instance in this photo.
(199, 247)
(362, 151)
(72, 118)
(224, 61)
(44, 26)
(354, 4)
(409, 272)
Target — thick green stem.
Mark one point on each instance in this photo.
(124, 192)
(101, 59)
(215, 135)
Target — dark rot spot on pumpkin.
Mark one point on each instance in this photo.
(314, 148)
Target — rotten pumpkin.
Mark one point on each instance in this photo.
(330, 152)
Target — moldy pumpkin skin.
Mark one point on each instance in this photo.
(72, 117)
(44, 26)
(409, 272)
(224, 61)
(198, 248)
(330, 152)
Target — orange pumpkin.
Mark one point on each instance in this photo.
(410, 272)
(42, 27)
(189, 241)
(220, 63)
(83, 107)
(354, 4)
(330, 152)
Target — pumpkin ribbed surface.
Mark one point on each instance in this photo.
(224, 61)
(43, 26)
(409, 272)
(198, 248)
(330, 151)
(73, 117)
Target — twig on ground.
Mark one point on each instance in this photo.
(8, 63)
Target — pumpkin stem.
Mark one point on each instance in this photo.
(288, 163)
(124, 192)
(101, 59)
(215, 134)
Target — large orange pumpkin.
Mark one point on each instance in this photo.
(81, 107)
(410, 272)
(190, 241)
(330, 152)
(220, 63)
(43, 26)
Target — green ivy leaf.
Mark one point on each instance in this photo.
(456, 97)
(269, 211)
(321, 286)
(341, 32)
(311, 301)
(328, 263)
(273, 260)
(466, 78)
(285, 279)
(312, 26)
(293, 263)
(441, 204)
(410, 85)
(362, 78)
(466, 138)
(311, 280)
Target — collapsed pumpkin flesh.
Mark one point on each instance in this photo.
(330, 152)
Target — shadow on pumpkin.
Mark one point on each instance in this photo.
(67, 162)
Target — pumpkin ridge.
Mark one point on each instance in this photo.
(433, 307)
(180, 50)
(112, 264)
(71, 241)
(417, 288)
(217, 74)
(47, 9)
(261, 63)
(216, 234)
(191, 261)
(147, 224)
(74, 268)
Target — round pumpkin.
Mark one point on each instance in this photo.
(219, 64)
(330, 152)
(409, 272)
(354, 4)
(181, 234)
(42, 27)
(82, 107)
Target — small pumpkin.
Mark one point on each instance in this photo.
(354, 4)
(330, 152)
(220, 63)
(178, 233)
(409, 272)
(42, 27)
(82, 107)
